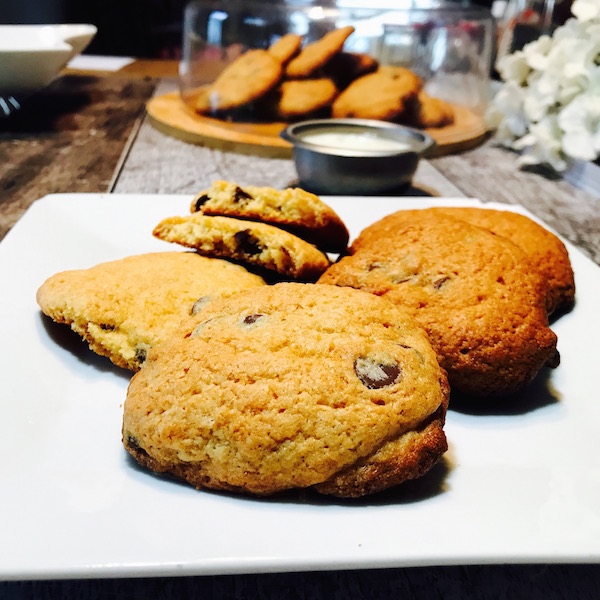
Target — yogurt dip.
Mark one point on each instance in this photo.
(354, 141)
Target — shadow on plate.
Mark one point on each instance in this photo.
(538, 394)
(62, 335)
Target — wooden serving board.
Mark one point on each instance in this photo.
(171, 115)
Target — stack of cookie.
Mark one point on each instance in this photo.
(286, 233)
(291, 81)
(337, 380)
(482, 283)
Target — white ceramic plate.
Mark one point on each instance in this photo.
(517, 485)
(31, 56)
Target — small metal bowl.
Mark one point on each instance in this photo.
(355, 156)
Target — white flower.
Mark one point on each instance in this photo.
(542, 145)
(541, 95)
(586, 10)
(549, 105)
(535, 52)
(580, 122)
(506, 113)
(513, 67)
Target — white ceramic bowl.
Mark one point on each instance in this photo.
(31, 56)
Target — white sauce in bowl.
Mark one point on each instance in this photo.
(351, 140)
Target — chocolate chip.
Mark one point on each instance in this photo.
(199, 304)
(240, 195)
(140, 355)
(438, 283)
(247, 243)
(201, 201)
(107, 327)
(375, 374)
(250, 319)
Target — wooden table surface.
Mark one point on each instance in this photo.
(87, 133)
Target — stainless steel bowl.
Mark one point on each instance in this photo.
(355, 156)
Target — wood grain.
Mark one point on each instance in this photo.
(68, 138)
(171, 115)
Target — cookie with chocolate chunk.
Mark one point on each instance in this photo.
(385, 94)
(545, 251)
(246, 79)
(316, 54)
(481, 301)
(122, 308)
(251, 243)
(291, 386)
(293, 209)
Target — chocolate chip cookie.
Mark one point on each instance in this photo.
(292, 386)
(316, 54)
(286, 47)
(293, 209)
(251, 243)
(122, 308)
(246, 79)
(545, 251)
(385, 94)
(304, 98)
(477, 295)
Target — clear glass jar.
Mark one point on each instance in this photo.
(449, 44)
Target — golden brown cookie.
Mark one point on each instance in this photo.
(318, 53)
(345, 67)
(254, 244)
(293, 209)
(296, 386)
(122, 308)
(385, 95)
(545, 251)
(475, 293)
(246, 79)
(431, 112)
(286, 47)
(304, 97)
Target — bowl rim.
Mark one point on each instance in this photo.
(68, 38)
(421, 141)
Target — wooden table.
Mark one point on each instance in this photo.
(87, 133)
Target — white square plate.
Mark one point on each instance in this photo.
(519, 485)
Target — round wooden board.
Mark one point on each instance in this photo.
(169, 114)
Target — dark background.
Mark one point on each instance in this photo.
(138, 28)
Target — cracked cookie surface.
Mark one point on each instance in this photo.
(294, 209)
(122, 308)
(256, 244)
(475, 293)
(291, 386)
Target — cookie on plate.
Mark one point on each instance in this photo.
(256, 244)
(246, 79)
(286, 47)
(430, 112)
(316, 54)
(345, 67)
(293, 386)
(294, 209)
(304, 97)
(545, 251)
(475, 293)
(124, 307)
(385, 94)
